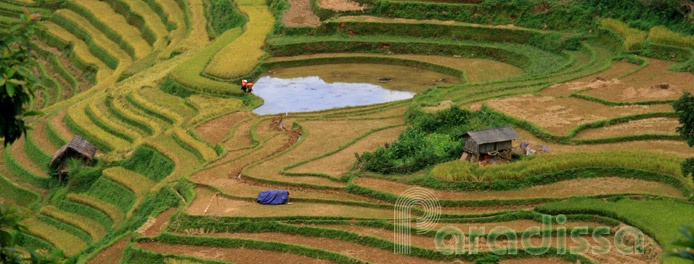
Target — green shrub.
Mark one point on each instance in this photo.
(81, 178)
(223, 16)
(150, 163)
(431, 138)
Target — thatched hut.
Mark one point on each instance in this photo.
(494, 142)
(79, 149)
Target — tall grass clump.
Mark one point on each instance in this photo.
(634, 39)
(539, 164)
(663, 35)
(150, 163)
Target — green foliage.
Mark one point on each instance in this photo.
(431, 138)
(147, 129)
(35, 153)
(82, 235)
(106, 125)
(223, 16)
(152, 204)
(53, 136)
(686, 244)
(634, 39)
(685, 108)
(16, 78)
(87, 211)
(539, 164)
(11, 220)
(172, 87)
(541, 14)
(133, 255)
(533, 60)
(17, 194)
(157, 8)
(81, 178)
(23, 173)
(555, 42)
(187, 75)
(489, 259)
(112, 193)
(277, 8)
(688, 168)
(150, 163)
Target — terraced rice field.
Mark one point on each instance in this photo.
(182, 156)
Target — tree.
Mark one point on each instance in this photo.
(686, 245)
(685, 108)
(16, 79)
(11, 221)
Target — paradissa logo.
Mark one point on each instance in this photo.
(545, 234)
(627, 240)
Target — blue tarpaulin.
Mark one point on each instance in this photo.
(273, 197)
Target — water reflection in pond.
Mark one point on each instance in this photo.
(312, 88)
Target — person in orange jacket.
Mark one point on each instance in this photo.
(246, 86)
(249, 87)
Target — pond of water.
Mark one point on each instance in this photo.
(319, 87)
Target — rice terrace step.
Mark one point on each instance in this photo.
(404, 131)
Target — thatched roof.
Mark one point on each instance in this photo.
(491, 135)
(77, 144)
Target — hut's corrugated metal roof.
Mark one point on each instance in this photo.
(490, 135)
(77, 144)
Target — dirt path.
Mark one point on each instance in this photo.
(235, 255)
(568, 188)
(559, 115)
(659, 125)
(341, 5)
(300, 14)
(159, 223)
(223, 206)
(594, 81)
(370, 254)
(217, 129)
(677, 148)
(647, 83)
(112, 254)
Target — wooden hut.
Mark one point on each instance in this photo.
(79, 149)
(494, 142)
